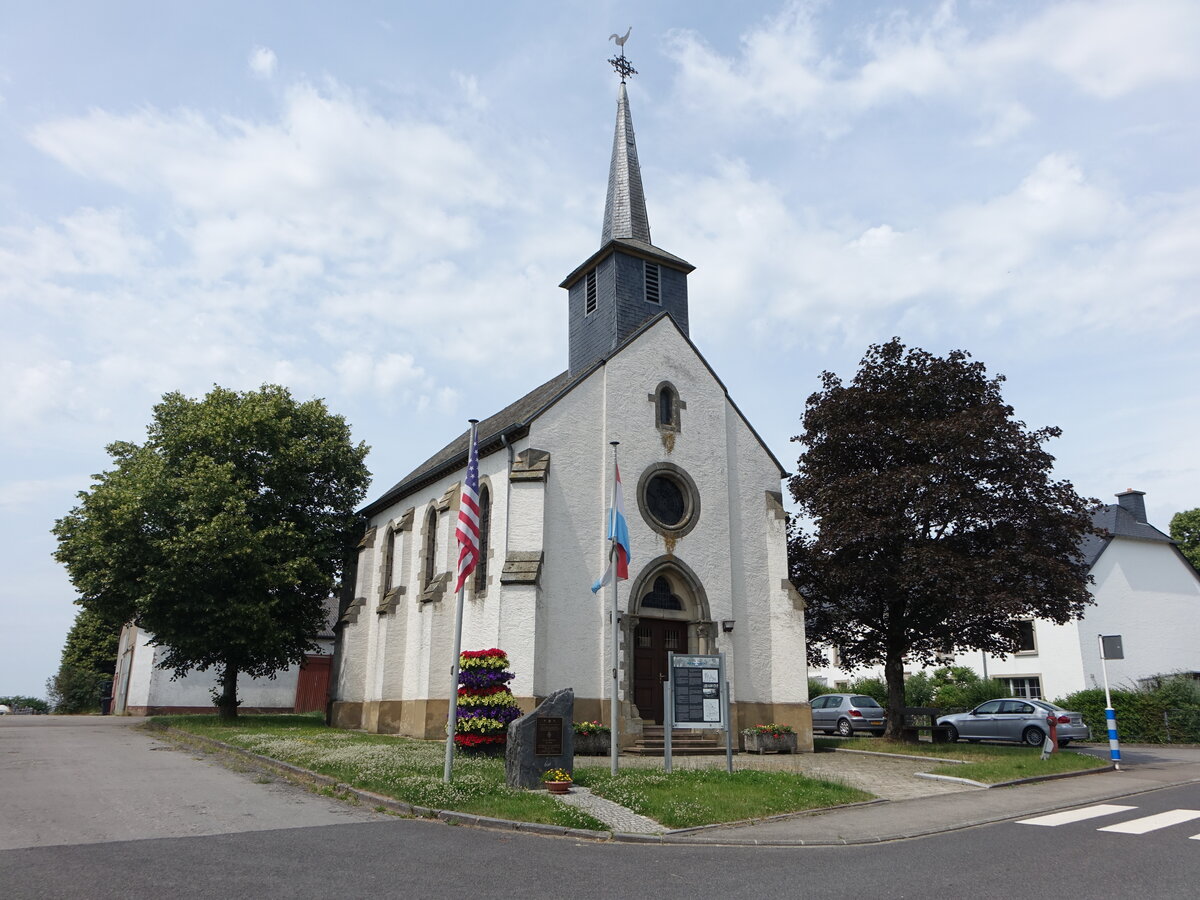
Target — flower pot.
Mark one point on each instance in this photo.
(558, 787)
(769, 743)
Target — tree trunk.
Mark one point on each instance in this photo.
(227, 704)
(893, 674)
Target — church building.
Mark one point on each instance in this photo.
(708, 572)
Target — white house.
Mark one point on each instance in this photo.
(142, 689)
(1145, 590)
(709, 557)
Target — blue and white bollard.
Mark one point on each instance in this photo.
(1114, 746)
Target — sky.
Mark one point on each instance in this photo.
(373, 203)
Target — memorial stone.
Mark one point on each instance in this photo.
(541, 740)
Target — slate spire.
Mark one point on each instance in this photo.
(625, 206)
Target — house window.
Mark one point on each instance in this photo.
(589, 305)
(1025, 637)
(430, 568)
(653, 294)
(485, 524)
(1028, 687)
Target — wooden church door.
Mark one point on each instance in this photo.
(652, 639)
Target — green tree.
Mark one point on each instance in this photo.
(223, 534)
(89, 659)
(1185, 531)
(936, 525)
(35, 703)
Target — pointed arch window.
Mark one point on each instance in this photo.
(485, 528)
(389, 560)
(429, 568)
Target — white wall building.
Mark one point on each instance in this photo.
(140, 688)
(709, 558)
(1145, 590)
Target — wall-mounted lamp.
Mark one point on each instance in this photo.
(727, 625)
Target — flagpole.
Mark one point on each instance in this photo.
(614, 742)
(452, 714)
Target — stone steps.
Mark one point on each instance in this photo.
(683, 742)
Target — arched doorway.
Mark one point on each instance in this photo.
(670, 614)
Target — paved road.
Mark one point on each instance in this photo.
(404, 858)
(91, 808)
(78, 780)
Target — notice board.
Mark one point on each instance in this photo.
(697, 685)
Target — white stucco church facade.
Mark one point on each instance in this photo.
(703, 502)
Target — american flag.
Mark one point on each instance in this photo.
(467, 531)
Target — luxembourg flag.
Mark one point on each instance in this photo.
(618, 534)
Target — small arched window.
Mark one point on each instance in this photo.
(485, 527)
(430, 571)
(666, 407)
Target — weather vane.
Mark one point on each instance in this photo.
(620, 63)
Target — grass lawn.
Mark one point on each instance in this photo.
(705, 796)
(411, 771)
(986, 763)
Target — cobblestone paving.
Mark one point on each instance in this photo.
(615, 816)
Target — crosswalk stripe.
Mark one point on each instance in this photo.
(1076, 815)
(1153, 823)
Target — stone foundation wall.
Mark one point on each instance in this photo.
(426, 719)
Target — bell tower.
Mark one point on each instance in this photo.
(628, 280)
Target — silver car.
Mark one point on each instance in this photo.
(1016, 719)
(846, 714)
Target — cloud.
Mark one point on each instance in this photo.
(263, 62)
(1054, 255)
(278, 248)
(31, 492)
(783, 68)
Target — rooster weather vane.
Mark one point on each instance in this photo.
(620, 63)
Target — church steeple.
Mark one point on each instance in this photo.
(625, 206)
(628, 281)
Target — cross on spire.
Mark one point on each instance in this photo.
(622, 66)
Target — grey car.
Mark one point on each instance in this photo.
(846, 714)
(1016, 719)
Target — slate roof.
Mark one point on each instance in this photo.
(513, 422)
(1116, 521)
(625, 206)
